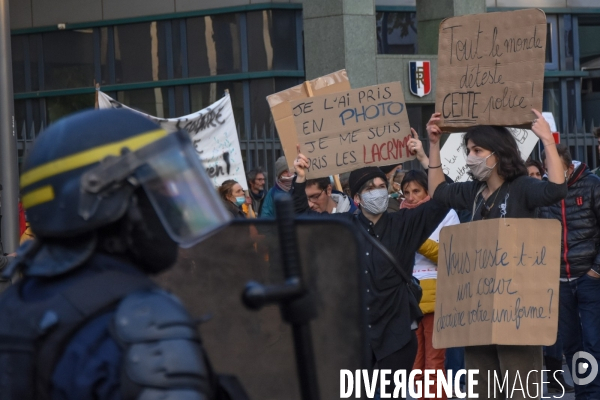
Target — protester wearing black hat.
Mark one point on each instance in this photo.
(390, 325)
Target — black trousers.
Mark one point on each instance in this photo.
(401, 359)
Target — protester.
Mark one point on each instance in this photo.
(283, 184)
(393, 187)
(322, 198)
(535, 169)
(553, 354)
(86, 321)
(233, 197)
(579, 299)
(390, 321)
(256, 183)
(501, 188)
(345, 185)
(414, 187)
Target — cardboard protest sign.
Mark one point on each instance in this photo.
(213, 133)
(344, 131)
(282, 110)
(454, 156)
(498, 283)
(491, 69)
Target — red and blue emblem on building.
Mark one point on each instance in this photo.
(420, 77)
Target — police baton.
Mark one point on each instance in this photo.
(296, 303)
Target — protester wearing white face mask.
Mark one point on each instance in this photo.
(390, 324)
(501, 188)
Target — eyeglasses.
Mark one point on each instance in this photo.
(313, 198)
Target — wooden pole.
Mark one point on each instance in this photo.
(338, 183)
(96, 104)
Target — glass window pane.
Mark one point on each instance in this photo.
(552, 101)
(58, 107)
(104, 56)
(179, 101)
(400, 34)
(213, 44)
(272, 40)
(68, 59)
(260, 113)
(140, 52)
(18, 63)
(177, 49)
(153, 101)
(204, 95)
(21, 119)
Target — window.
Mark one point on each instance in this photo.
(153, 67)
(396, 33)
(551, 101)
(140, 52)
(213, 44)
(58, 107)
(68, 59)
(551, 43)
(204, 95)
(272, 40)
(153, 101)
(260, 113)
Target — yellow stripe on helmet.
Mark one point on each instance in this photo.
(38, 196)
(88, 157)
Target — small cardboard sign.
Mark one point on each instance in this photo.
(491, 69)
(498, 283)
(282, 110)
(343, 131)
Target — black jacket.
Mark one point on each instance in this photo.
(402, 233)
(235, 211)
(579, 214)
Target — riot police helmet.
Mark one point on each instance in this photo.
(84, 169)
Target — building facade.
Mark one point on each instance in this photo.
(173, 57)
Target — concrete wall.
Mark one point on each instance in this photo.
(508, 3)
(342, 35)
(35, 13)
(394, 68)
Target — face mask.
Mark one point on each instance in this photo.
(479, 168)
(375, 201)
(285, 182)
(240, 200)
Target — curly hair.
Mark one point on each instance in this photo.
(226, 188)
(499, 140)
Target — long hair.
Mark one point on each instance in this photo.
(226, 188)
(500, 141)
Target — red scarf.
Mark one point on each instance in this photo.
(404, 204)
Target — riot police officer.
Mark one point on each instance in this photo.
(109, 195)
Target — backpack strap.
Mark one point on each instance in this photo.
(72, 308)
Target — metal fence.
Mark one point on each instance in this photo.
(261, 147)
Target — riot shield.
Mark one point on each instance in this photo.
(257, 346)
